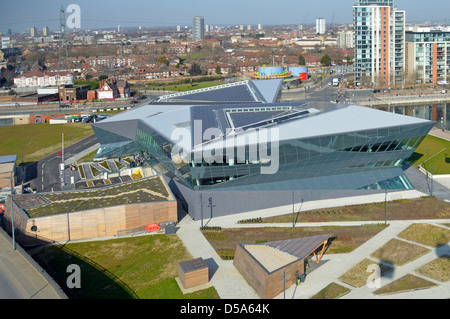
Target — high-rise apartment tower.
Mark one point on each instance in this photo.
(379, 43)
(198, 28)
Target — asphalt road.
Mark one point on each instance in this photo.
(322, 92)
(45, 175)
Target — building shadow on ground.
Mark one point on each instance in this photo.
(95, 282)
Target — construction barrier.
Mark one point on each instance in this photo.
(152, 227)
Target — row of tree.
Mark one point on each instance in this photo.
(325, 60)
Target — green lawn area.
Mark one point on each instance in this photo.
(41, 140)
(143, 267)
(438, 155)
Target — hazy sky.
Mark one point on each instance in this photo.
(19, 15)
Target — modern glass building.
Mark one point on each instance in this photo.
(379, 43)
(245, 150)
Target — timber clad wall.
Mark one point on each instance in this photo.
(275, 280)
(252, 271)
(193, 277)
(267, 285)
(94, 223)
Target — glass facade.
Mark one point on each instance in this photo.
(356, 160)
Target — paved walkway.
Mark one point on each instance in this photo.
(227, 280)
(21, 277)
(440, 133)
(230, 284)
(337, 265)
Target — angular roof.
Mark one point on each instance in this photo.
(263, 91)
(217, 108)
(275, 255)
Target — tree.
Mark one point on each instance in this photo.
(102, 77)
(218, 70)
(301, 60)
(325, 60)
(162, 60)
(88, 77)
(349, 60)
(195, 70)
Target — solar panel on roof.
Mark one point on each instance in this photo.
(246, 118)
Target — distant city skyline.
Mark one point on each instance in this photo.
(24, 14)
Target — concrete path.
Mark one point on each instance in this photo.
(337, 265)
(227, 280)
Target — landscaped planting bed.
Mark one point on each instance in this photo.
(406, 283)
(399, 252)
(438, 269)
(105, 165)
(426, 234)
(81, 170)
(358, 275)
(344, 239)
(404, 209)
(332, 291)
(128, 193)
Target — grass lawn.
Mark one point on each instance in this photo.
(332, 291)
(41, 140)
(438, 155)
(426, 234)
(143, 267)
(88, 158)
(399, 252)
(406, 283)
(404, 209)
(343, 240)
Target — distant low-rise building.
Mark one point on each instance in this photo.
(8, 52)
(346, 40)
(38, 78)
(73, 92)
(111, 90)
(7, 171)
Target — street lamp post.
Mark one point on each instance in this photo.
(201, 208)
(385, 206)
(12, 213)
